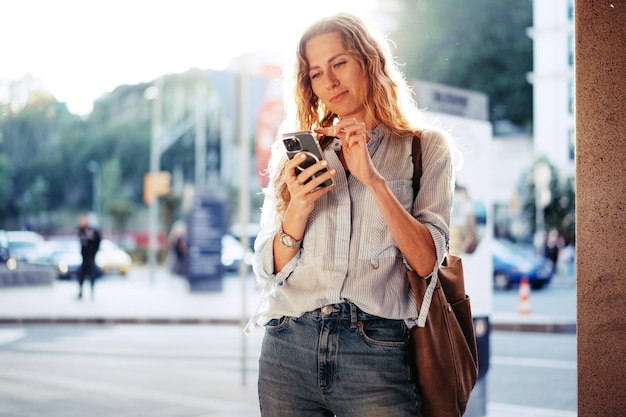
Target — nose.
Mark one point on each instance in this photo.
(331, 81)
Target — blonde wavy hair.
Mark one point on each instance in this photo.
(389, 99)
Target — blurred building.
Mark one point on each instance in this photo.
(553, 82)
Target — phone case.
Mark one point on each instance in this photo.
(305, 141)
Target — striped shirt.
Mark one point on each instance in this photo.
(348, 252)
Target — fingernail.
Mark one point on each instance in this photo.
(324, 163)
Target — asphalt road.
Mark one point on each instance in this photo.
(205, 369)
(198, 371)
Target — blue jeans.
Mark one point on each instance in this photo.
(336, 361)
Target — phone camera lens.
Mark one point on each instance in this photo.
(292, 144)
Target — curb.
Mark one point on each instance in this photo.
(564, 328)
(118, 320)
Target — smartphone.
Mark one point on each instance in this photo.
(305, 141)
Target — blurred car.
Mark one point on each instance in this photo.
(251, 231)
(64, 254)
(111, 259)
(512, 262)
(233, 252)
(24, 244)
(4, 246)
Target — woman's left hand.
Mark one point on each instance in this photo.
(353, 136)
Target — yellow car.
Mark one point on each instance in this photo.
(111, 259)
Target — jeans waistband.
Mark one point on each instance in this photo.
(342, 311)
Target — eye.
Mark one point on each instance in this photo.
(314, 75)
(339, 64)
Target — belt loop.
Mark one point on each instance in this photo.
(354, 315)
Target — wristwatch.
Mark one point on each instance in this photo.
(287, 240)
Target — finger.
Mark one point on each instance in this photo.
(294, 162)
(354, 138)
(326, 131)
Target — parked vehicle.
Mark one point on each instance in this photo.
(24, 244)
(512, 262)
(64, 254)
(5, 254)
(233, 252)
(18, 272)
(251, 232)
(111, 259)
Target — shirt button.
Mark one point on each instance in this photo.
(375, 264)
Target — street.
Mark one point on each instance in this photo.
(196, 370)
(533, 373)
(151, 368)
(137, 370)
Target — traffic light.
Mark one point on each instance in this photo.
(155, 184)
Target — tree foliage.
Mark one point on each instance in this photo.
(479, 45)
(45, 150)
(560, 212)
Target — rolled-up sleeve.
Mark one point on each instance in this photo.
(434, 201)
(263, 261)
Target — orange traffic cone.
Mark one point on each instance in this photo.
(524, 297)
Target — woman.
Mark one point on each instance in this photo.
(337, 305)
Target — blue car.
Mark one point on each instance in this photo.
(512, 262)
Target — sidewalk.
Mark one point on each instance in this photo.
(140, 297)
(162, 298)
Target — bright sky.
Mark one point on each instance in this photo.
(82, 49)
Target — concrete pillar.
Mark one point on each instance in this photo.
(600, 32)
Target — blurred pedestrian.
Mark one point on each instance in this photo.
(90, 238)
(551, 249)
(177, 241)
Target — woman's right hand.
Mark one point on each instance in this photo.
(301, 203)
(303, 193)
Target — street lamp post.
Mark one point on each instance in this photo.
(94, 168)
(156, 95)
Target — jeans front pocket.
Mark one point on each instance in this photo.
(276, 325)
(384, 333)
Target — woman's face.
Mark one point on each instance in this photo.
(336, 77)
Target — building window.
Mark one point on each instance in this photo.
(570, 9)
(570, 51)
(571, 99)
(572, 144)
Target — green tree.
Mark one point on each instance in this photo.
(559, 213)
(111, 180)
(5, 184)
(30, 138)
(480, 45)
(120, 211)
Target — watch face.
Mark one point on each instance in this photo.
(288, 241)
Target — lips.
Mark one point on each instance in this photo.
(338, 96)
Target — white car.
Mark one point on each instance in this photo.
(24, 245)
(64, 254)
(233, 252)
